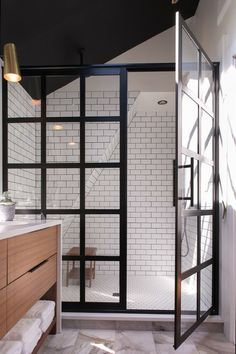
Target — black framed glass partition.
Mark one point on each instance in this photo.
(78, 172)
(65, 146)
(196, 188)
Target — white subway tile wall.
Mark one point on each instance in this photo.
(24, 143)
(20, 104)
(102, 142)
(150, 155)
(25, 187)
(63, 188)
(103, 233)
(63, 142)
(65, 101)
(151, 215)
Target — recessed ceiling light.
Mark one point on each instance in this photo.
(36, 102)
(72, 143)
(162, 102)
(57, 127)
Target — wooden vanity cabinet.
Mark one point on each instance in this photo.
(28, 272)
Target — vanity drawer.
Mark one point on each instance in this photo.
(26, 251)
(3, 312)
(3, 263)
(30, 287)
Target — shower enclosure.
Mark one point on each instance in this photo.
(133, 178)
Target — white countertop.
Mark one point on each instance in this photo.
(16, 228)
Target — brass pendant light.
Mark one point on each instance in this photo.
(11, 70)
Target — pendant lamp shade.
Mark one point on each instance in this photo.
(11, 71)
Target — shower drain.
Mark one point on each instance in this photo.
(116, 294)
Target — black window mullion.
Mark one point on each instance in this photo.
(82, 187)
(199, 187)
(5, 134)
(43, 148)
(216, 217)
(123, 186)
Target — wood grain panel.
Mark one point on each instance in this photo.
(3, 308)
(26, 251)
(3, 263)
(25, 291)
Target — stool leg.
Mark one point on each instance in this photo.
(67, 274)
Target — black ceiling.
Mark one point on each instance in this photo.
(50, 32)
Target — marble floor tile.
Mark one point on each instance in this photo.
(62, 343)
(95, 342)
(212, 343)
(90, 341)
(134, 342)
(168, 349)
(167, 337)
(163, 337)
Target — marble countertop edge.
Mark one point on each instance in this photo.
(10, 229)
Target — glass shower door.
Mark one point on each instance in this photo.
(196, 252)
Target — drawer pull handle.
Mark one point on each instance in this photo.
(38, 266)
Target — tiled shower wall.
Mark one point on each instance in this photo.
(23, 147)
(151, 150)
(150, 155)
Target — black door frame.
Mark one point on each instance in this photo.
(84, 71)
(214, 261)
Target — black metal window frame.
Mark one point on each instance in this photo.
(198, 212)
(82, 72)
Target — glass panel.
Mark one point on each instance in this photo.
(103, 234)
(24, 98)
(70, 281)
(143, 286)
(206, 237)
(102, 142)
(206, 186)
(63, 96)
(102, 281)
(24, 143)
(189, 193)
(63, 142)
(206, 289)
(189, 124)
(207, 135)
(63, 188)
(207, 84)
(102, 188)
(102, 96)
(190, 67)
(188, 302)
(189, 243)
(70, 246)
(25, 187)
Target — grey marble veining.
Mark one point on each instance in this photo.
(134, 342)
(90, 341)
(62, 343)
(95, 342)
(168, 349)
(212, 343)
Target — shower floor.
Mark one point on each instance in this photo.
(143, 292)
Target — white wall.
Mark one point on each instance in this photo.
(214, 26)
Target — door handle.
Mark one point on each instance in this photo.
(191, 197)
(192, 183)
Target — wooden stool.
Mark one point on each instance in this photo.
(74, 272)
